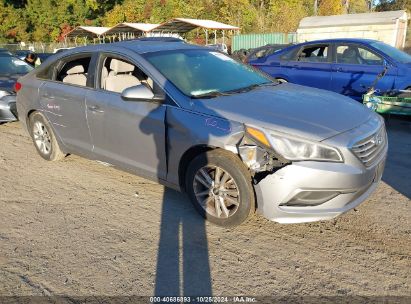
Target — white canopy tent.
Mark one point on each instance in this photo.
(127, 30)
(184, 25)
(87, 32)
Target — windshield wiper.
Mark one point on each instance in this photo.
(211, 94)
(214, 94)
(252, 87)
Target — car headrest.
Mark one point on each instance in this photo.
(350, 52)
(119, 66)
(77, 69)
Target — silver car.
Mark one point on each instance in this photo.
(11, 68)
(196, 120)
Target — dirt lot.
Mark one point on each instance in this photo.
(78, 228)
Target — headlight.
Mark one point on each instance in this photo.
(4, 93)
(296, 149)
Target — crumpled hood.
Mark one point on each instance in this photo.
(311, 113)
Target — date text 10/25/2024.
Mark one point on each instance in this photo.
(238, 299)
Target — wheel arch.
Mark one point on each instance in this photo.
(187, 157)
(26, 119)
(57, 135)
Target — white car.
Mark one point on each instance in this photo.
(222, 47)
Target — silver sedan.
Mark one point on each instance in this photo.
(194, 119)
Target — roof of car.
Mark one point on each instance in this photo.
(353, 40)
(139, 46)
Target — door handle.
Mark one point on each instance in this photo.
(95, 109)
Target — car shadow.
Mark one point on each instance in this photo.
(397, 168)
(348, 89)
(182, 262)
(183, 267)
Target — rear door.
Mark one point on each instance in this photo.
(63, 101)
(311, 66)
(355, 69)
(127, 134)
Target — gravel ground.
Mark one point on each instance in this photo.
(77, 228)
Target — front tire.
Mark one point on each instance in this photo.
(219, 186)
(43, 138)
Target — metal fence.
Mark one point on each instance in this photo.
(39, 47)
(255, 40)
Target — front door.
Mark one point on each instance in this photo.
(128, 134)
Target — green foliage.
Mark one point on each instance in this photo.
(358, 6)
(48, 20)
(285, 15)
(330, 7)
(12, 27)
(392, 5)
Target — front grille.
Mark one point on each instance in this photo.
(369, 149)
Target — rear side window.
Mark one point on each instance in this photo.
(74, 71)
(318, 53)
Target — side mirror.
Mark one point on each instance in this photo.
(139, 93)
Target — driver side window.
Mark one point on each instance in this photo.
(118, 74)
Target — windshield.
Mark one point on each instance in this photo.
(200, 72)
(393, 52)
(11, 65)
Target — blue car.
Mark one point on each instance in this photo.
(345, 66)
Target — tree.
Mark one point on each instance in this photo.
(13, 27)
(285, 15)
(393, 5)
(128, 11)
(358, 6)
(47, 18)
(330, 7)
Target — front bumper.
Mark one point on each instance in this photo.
(308, 191)
(8, 110)
(353, 184)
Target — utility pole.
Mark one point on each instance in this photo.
(315, 7)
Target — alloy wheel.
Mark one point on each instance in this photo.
(42, 138)
(216, 191)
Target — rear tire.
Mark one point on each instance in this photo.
(43, 138)
(219, 186)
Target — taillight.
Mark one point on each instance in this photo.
(17, 87)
